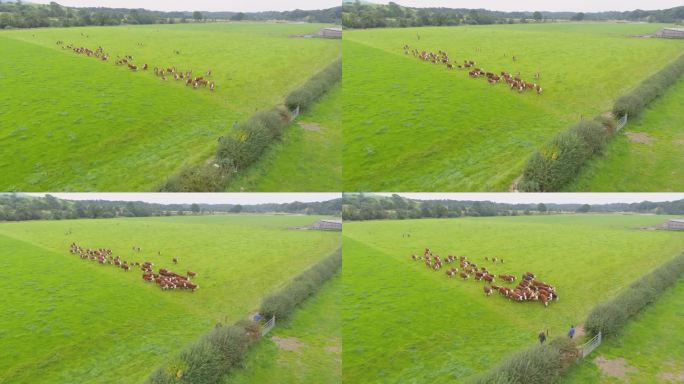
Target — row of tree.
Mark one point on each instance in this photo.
(29, 15)
(374, 207)
(15, 207)
(368, 15)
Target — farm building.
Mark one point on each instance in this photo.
(671, 33)
(674, 224)
(330, 33)
(327, 225)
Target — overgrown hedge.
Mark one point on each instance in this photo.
(655, 86)
(609, 317)
(244, 144)
(539, 364)
(282, 303)
(304, 96)
(217, 353)
(557, 163)
(210, 358)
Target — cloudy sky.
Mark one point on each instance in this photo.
(514, 198)
(203, 5)
(544, 5)
(208, 198)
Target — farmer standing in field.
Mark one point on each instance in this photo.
(571, 332)
(542, 337)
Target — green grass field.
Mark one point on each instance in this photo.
(317, 327)
(309, 157)
(411, 125)
(405, 323)
(66, 320)
(653, 163)
(84, 124)
(652, 344)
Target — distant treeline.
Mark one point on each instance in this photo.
(29, 15)
(14, 207)
(374, 207)
(365, 15)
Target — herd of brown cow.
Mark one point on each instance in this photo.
(127, 60)
(165, 279)
(529, 288)
(442, 57)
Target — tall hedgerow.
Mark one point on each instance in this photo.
(315, 87)
(651, 88)
(538, 364)
(558, 162)
(282, 303)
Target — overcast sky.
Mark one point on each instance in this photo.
(208, 198)
(544, 5)
(580, 198)
(203, 5)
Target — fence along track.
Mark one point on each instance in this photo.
(590, 345)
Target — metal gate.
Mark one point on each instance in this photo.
(622, 122)
(266, 328)
(590, 345)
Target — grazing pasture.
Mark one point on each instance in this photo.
(82, 123)
(651, 346)
(309, 157)
(403, 322)
(413, 125)
(70, 320)
(306, 349)
(648, 155)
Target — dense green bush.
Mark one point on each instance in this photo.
(609, 317)
(304, 96)
(608, 123)
(209, 359)
(205, 178)
(557, 163)
(653, 87)
(282, 303)
(539, 364)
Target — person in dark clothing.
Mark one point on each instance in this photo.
(542, 337)
(571, 332)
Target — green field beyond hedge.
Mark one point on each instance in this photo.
(405, 323)
(83, 124)
(66, 320)
(411, 125)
